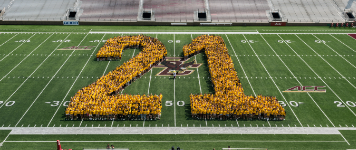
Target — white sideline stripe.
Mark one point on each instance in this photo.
(317, 74)
(26, 78)
(212, 141)
(45, 86)
(273, 81)
(240, 64)
(343, 43)
(59, 106)
(336, 52)
(344, 139)
(173, 130)
(17, 47)
(326, 61)
(9, 39)
(195, 32)
(24, 58)
(296, 78)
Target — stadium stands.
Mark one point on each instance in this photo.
(186, 11)
(38, 10)
(308, 11)
(174, 11)
(109, 10)
(239, 11)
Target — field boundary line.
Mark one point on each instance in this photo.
(240, 65)
(25, 58)
(167, 32)
(336, 52)
(205, 141)
(342, 42)
(273, 81)
(319, 76)
(326, 62)
(59, 106)
(296, 78)
(17, 47)
(26, 78)
(9, 39)
(47, 83)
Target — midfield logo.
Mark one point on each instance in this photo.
(306, 89)
(171, 64)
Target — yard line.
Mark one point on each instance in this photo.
(174, 45)
(24, 58)
(25, 79)
(342, 42)
(344, 138)
(240, 65)
(296, 79)
(81, 122)
(149, 83)
(77, 76)
(197, 68)
(106, 68)
(326, 62)
(174, 104)
(273, 81)
(318, 76)
(335, 52)
(47, 83)
(9, 39)
(17, 47)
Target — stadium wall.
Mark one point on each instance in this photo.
(112, 23)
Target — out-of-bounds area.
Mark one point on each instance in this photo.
(311, 71)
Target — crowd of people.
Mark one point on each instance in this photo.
(229, 100)
(101, 100)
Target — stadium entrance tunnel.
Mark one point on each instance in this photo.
(146, 15)
(276, 16)
(202, 16)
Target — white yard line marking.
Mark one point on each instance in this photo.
(326, 62)
(23, 81)
(214, 141)
(25, 58)
(17, 47)
(77, 76)
(46, 84)
(174, 104)
(269, 123)
(273, 81)
(174, 45)
(5, 139)
(297, 79)
(319, 76)
(149, 83)
(191, 36)
(106, 68)
(344, 139)
(9, 39)
(241, 65)
(81, 122)
(335, 52)
(342, 42)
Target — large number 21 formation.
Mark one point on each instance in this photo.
(101, 100)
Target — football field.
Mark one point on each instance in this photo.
(311, 71)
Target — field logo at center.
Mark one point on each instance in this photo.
(171, 64)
